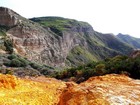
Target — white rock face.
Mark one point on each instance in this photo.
(36, 43)
(43, 45)
(8, 17)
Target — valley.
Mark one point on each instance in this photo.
(61, 61)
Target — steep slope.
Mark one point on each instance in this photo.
(112, 42)
(91, 46)
(135, 42)
(102, 90)
(57, 41)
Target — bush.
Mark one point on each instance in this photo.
(12, 56)
(44, 71)
(15, 63)
(100, 69)
(9, 45)
(35, 66)
(24, 62)
(8, 71)
(56, 30)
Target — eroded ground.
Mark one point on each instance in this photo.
(103, 90)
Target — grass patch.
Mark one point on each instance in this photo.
(80, 55)
(59, 22)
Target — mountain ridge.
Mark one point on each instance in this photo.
(134, 42)
(59, 42)
(27, 47)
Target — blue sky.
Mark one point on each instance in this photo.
(106, 16)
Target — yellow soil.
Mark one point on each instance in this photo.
(14, 91)
(101, 90)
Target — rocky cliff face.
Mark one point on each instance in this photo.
(57, 41)
(8, 17)
(102, 90)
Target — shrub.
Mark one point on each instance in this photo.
(7, 63)
(35, 66)
(44, 71)
(9, 45)
(15, 63)
(23, 61)
(12, 56)
(56, 30)
(100, 69)
(8, 71)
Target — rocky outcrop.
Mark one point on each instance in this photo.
(64, 43)
(8, 17)
(42, 46)
(36, 43)
(135, 54)
(103, 90)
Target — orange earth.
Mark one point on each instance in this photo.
(101, 90)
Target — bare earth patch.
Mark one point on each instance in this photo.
(101, 90)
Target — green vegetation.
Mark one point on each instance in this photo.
(21, 66)
(79, 56)
(56, 30)
(58, 24)
(5, 43)
(134, 42)
(93, 46)
(118, 65)
(2, 33)
(16, 61)
(113, 43)
(9, 45)
(2, 36)
(4, 28)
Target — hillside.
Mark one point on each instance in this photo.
(134, 42)
(56, 41)
(40, 52)
(129, 65)
(48, 91)
(97, 45)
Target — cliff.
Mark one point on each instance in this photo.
(58, 42)
(107, 90)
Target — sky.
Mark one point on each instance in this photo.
(106, 16)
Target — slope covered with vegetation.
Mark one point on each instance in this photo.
(55, 41)
(135, 42)
(16, 65)
(92, 45)
(118, 65)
